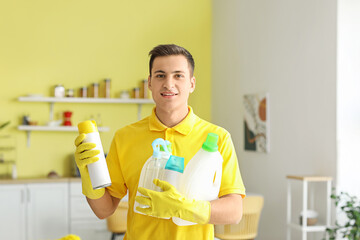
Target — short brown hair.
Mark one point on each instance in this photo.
(169, 50)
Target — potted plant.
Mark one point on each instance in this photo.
(4, 125)
(350, 206)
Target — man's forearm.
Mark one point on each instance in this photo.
(104, 206)
(226, 210)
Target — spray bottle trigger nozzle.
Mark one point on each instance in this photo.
(156, 146)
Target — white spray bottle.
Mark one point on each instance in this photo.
(202, 176)
(153, 168)
(98, 171)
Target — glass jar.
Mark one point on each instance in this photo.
(136, 92)
(70, 92)
(59, 91)
(94, 90)
(83, 92)
(144, 89)
(107, 85)
(124, 94)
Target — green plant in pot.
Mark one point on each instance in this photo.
(350, 206)
(4, 125)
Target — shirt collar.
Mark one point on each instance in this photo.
(184, 127)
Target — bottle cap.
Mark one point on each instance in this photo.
(168, 147)
(156, 144)
(88, 126)
(210, 145)
(175, 163)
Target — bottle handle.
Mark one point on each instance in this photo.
(217, 180)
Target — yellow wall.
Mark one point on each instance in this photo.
(75, 43)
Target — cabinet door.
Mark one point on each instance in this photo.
(90, 230)
(48, 211)
(83, 221)
(12, 209)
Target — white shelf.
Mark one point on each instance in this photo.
(86, 100)
(315, 228)
(56, 129)
(305, 180)
(30, 128)
(53, 100)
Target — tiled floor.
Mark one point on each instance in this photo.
(121, 237)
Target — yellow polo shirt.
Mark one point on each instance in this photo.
(131, 147)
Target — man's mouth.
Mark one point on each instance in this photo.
(168, 94)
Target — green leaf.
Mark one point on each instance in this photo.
(350, 205)
(4, 124)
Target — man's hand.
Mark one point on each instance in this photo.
(84, 155)
(170, 203)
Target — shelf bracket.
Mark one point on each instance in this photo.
(51, 116)
(28, 133)
(139, 111)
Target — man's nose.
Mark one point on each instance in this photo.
(169, 82)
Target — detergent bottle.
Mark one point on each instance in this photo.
(153, 168)
(202, 175)
(98, 171)
(173, 171)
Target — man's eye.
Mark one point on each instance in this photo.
(160, 75)
(179, 76)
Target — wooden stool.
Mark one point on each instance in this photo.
(116, 223)
(248, 226)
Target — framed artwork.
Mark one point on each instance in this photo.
(256, 122)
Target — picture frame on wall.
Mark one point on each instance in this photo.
(256, 122)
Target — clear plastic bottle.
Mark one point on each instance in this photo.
(154, 168)
(202, 176)
(98, 171)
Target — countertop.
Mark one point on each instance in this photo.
(39, 180)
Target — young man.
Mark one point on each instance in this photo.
(171, 80)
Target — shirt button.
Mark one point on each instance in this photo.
(167, 133)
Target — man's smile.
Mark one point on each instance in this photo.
(168, 94)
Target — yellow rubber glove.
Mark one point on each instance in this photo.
(70, 237)
(171, 203)
(84, 156)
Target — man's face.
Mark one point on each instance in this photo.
(171, 82)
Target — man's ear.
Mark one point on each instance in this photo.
(193, 83)
(149, 82)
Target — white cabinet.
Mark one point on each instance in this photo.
(34, 211)
(12, 209)
(47, 210)
(83, 221)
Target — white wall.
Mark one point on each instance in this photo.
(348, 96)
(288, 49)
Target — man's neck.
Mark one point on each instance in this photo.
(171, 118)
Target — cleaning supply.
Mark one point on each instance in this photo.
(154, 167)
(85, 155)
(98, 170)
(169, 203)
(202, 176)
(70, 237)
(173, 171)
